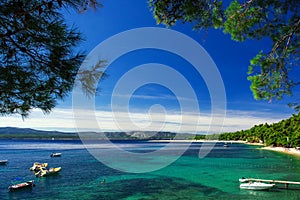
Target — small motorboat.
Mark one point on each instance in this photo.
(243, 180)
(28, 184)
(44, 172)
(55, 155)
(54, 170)
(3, 162)
(37, 166)
(256, 186)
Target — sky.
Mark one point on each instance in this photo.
(157, 87)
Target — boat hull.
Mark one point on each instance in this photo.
(50, 172)
(3, 162)
(55, 155)
(21, 186)
(256, 186)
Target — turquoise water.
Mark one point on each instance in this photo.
(213, 177)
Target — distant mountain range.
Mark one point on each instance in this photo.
(27, 133)
(14, 133)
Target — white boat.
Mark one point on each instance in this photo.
(28, 184)
(37, 166)
(243, 180)
(256, 186)
(55, 155)
(44, 172)
(3, 162)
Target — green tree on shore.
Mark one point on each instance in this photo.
(285, 133)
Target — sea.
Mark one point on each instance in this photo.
(86, 176)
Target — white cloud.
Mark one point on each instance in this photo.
(63, 120)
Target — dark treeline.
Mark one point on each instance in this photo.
(285, 133)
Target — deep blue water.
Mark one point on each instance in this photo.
(213, 177)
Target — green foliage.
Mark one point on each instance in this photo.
(38, 62)
(88, 78)
(241, 19)
(285, 133)
(279, 21)
(212, 137)
(199, 137)
(203, 12)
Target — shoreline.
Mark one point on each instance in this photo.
(202, 141)
(291, 151)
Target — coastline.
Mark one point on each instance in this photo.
(291, 151)
(201, 141)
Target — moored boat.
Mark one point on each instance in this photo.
(3, 162)
(44, 172)
(28, 184)
(55, 155)
(243, 180)
(256, 186)
(37, 166)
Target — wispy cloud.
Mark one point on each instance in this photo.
(63, 120)
(154, 97)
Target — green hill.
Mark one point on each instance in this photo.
(27, 133)
(285, 133)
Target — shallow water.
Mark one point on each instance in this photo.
(213, 177)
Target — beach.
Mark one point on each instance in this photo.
(291, 151)
(201, 141)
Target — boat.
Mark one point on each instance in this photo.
(25, 185)
(37, 166)
(3, 162)
(55, 155)
(243, 180)
(54, 169)
(256, 186)
(44, 172)
(225, 144)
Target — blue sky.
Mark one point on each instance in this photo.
(154, 106)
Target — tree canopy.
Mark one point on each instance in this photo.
(285, 133)
(270, 72)
(38, 63)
